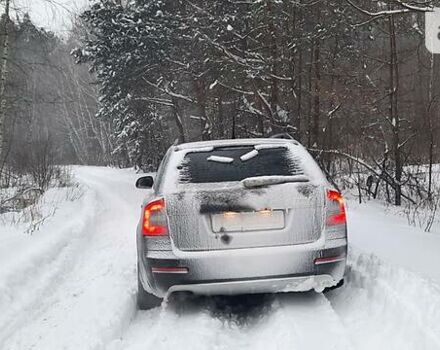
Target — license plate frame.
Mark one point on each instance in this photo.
(264, 220)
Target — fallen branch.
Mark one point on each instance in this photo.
(363, 163)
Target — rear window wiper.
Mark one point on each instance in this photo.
(260, 181)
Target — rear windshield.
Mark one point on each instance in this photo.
(237, 163)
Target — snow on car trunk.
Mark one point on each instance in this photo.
(213, 216)
(259, 197)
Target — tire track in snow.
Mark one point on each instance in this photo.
(284, 321)
(33, 280)
(95, 300)
(385, 307)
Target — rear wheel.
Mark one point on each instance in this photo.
(145, 300)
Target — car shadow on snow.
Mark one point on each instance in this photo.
(241, 310)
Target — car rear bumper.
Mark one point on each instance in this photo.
(241, 271)
(269, 285)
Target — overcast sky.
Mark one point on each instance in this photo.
(51, 14)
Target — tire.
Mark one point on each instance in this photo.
(339, 285)
(145, 300)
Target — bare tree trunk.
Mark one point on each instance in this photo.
(273, 103)
(296, 67)
(220, 116)
(316, 92)
(299, 93)
(205, 127)
(178, 120)
(3, 78)
(429, 115)
(74, 131)
(310, 98)
(394, 116)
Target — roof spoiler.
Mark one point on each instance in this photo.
(284, 136)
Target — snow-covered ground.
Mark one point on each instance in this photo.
(375, 229)
(71, 285)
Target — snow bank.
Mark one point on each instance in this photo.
(386, 307)
(32, 264)
(378, 230)
(73, 286)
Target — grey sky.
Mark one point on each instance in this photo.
(51, 14)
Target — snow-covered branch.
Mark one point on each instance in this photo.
(166, 90)
(378, 173)
(404, 8)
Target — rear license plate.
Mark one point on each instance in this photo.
(248, 221)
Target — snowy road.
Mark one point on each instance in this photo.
(74, 289)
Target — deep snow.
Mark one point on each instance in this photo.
(79, 293)
(376, 230)
(71, 285)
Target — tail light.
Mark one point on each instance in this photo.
(336, 209)
(155, 219)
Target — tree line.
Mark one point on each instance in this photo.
(48, 104)
(343, 77)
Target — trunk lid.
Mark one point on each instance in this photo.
(221, 217)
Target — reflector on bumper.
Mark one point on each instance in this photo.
(329, 260)
(177, 270)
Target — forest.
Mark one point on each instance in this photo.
(351, 80)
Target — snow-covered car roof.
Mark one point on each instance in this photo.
(233, 142)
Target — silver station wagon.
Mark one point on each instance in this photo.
(236, 217)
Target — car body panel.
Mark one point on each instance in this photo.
(240, 261)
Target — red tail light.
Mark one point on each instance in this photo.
(336, 214)
(155, 219)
